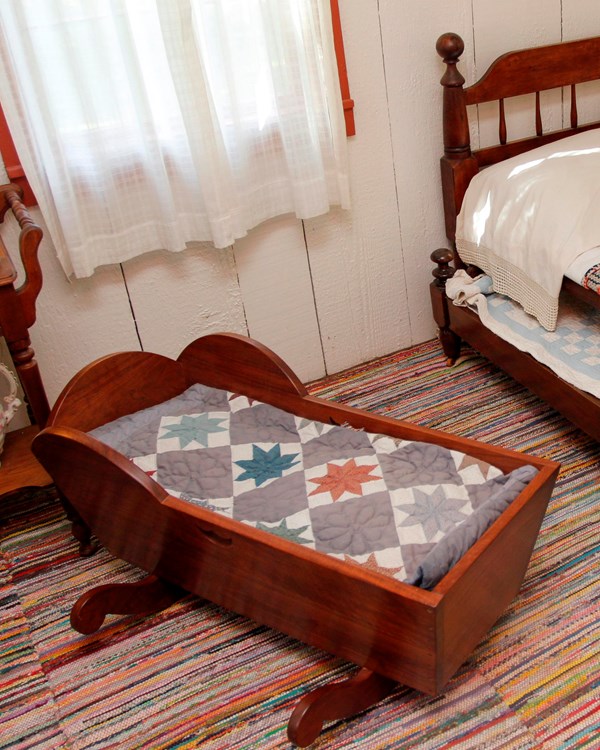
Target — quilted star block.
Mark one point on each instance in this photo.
(193, 431)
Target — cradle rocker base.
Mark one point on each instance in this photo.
(338, 700)
(144, 597)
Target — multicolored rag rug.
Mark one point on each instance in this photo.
(197, 676)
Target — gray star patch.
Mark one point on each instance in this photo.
(434, 512)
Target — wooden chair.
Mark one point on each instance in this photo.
(17, 315)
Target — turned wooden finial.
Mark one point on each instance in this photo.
(442, 257)
(456, 127)
(450, 47)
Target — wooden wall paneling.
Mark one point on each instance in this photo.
(413, 71)
(356, 255)
(177, 297)
(580, 18)
(276, 286)
(78, 320)
(499, 28)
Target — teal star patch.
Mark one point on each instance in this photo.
(196, 428)
(265, 464)
(294, 535)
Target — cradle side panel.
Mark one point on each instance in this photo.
(116, 385)
(485, 581)
(117, 500)
(369, 620)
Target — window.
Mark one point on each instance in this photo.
(145, 124)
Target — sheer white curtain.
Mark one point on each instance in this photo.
(146, 124)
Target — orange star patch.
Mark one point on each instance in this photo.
(346, 478)
(372, 564)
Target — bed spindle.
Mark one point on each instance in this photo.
(538, 115)
(573, 106)
(502, 122)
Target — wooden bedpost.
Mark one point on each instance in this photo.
(458, 164)
(439, 303)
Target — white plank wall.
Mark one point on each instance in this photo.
(348, 286)
(275, 282)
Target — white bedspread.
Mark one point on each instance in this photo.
(525, 220)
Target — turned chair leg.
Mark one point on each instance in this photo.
(144, 597)
(339, 700)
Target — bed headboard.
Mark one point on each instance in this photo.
(527, 71)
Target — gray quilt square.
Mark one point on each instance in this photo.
(204, 473)
(336, 444)
(358, 526)
(274, 501)
(212, 399)
(417, 464)
(262, 423)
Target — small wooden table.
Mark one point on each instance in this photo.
(19, 467)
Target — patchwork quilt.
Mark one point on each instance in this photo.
(406, 509)
(591, 280)
(572, 350)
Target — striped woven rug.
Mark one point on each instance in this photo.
(198, 676)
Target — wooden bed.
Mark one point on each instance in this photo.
(393, 631)
(528, 71)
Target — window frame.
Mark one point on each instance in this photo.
(16, 173)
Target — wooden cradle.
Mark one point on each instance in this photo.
(394, 631)
(527, 71)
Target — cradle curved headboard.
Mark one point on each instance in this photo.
(527, 71)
